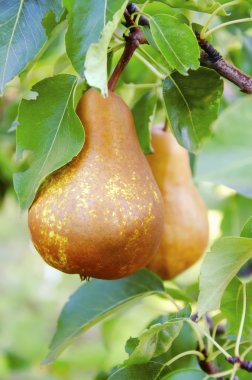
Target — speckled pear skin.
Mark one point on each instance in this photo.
(185, 234)
(101, 215)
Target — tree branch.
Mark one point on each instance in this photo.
(211, 58)
(243, 364)
(207, 366)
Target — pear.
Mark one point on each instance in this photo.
(101, 215)
(185, 234)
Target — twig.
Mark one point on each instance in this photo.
(243, 364)
(143, 20)
(211, 58)
(207, 366)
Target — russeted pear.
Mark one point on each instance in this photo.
(101, 215)
(185, 234)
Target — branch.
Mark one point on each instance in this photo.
(243, 364)
(207, 366)
(143, 20)
(210, 57)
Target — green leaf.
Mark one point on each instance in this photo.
(91, 25)
(186, 341)
(62, 64)
(236, 210)
(157, 8)
(226, 159)
(182, 56)
(231, 307)
(149, 371)
(49, 131)
(177, 294)
(247, 229)
(49, 22)
(153, 342)
(97, 299)
(182, 313)
(160, 337)
(192, 104)
(186, 374)
(219, 267)
(143, 113)
(207, 6)
(95, 71)
(22, 34)
(85, 22)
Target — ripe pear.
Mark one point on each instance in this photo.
(101, 215)
(185, 234)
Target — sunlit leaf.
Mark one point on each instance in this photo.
(158, 8)
(182, 56)
(95, 70)
(219, 267)
(247, 229)
(91, 25)
(207, 6)
(236, 210)
(49, 132)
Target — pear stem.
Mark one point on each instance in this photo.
(133, 40)
(166, 126)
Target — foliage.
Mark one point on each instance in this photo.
(53, 111)
(186, 100)
(50, 53)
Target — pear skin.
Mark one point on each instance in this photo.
(185, 234)
(101, 215)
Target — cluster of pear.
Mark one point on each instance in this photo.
(105, 213)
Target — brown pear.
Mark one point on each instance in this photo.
(101, 215)
(185, 234)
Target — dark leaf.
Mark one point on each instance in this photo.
(149, 371)
(97, 299)
(192, 104)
